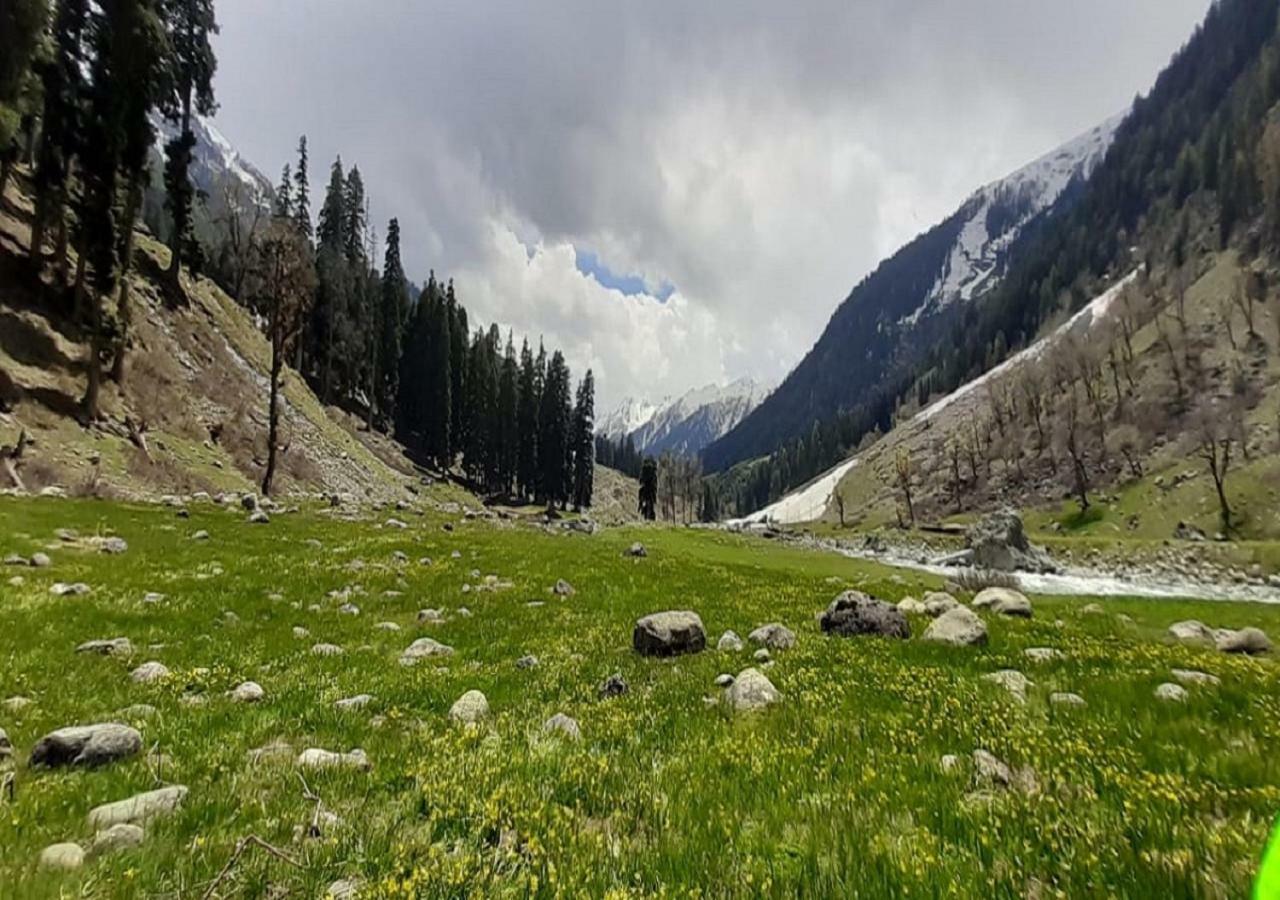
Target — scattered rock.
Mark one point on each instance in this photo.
(120, 646)
(1003, 601)
(86, 745)
(563, 724)
(729, 642)
(41, 560)
(344, 889)
(751, 690)
(959, 627)
(527, 662)
(1250, 641)
(200, 535)
(669, 633)
(1191, 631)
(724, 680)
(326, 650)
(855, 613)
(152, 597)
(636, 551)
(774, 636)
(259, 517)
(301, 633)
(1012, 681)
(936, 603)
(1042, 654)
(348, 609)
(998, 542)
(387, 626)
(762, 655)
(138, 711)
(1191, 676)
(1171, 693)
(613, 686)
(395, 523)
(6, 748)
(138, 808)
(247, 692)
(120, 836)
(470, 708)
(359, 701)
(60, 589)
(316, 758)
(1092, 609)
(149, 672)
(113, 545)
(424, 648)
(16, 704)
(563, 589)
(1065, 698)
(275, 752)
(949, 763)
(62, 857)
(989, 769)
(430, 617)
(910, 606)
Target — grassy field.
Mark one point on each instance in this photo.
(836, 791)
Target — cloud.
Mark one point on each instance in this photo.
(758, 157)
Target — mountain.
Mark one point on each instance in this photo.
(215, 162)
(911, 300)
(688, 423)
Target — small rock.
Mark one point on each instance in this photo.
(259, 517)
(359, 701)
(1092, 609)
(114, 545)
(989, 769)
(120, 836)
(86, 745)
(301, 633)
(1171, 693)
(1191, 676)
(1191, 631)
(527, 662)
(430, 617)
(563, 724)
(316, 758)
(348, 609)
(62, 857)
(636, 551)
(138, 808)
(751, 690)
(1012, 681)
(275, 752)
(774, 636)
(395, 523)
(59, 589)
(344, 889)
(1065, 698)
(729, 642)
(1042, 654)
(613, 686)
(949, 762)
(563, 589)
(724, 680)
(761, 655)
(424, 648)
(1003, 601)
(152, 597)
(120, 646)
(200, 535)
(149, 672)
(470, 708)
(959, 627)
(326, 650)
(41, 560)
(16, 704)
(247, 692)
(387, 626)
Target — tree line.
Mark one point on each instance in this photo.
(80, 86)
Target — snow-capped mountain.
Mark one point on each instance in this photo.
(688, 423)
(216, 164)
(913, 299)
(629, 415)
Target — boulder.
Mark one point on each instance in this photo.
(120, 836)
(1003, 601)
(998, 542)
(751, 690)
(959, 627)
(774, 636)
(855, 613)
(669, 633)
(424, 648)
(1012, 681)
(470, 708)
(138, 808)
(1171, 693)
(1250, 641)
(86, 745)
(114, 545)
(636, 551)
(936, 603)
(149, 672)
(1191, 631)
(316, 758)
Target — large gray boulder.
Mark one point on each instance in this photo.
(86, 745)
(1003, 601)
(998, 542)
(774, 636)
(669, 633)
(424, 648)
(469, 709)
(854, 613)
(1251, 641)
(138, 808)
(959, 627)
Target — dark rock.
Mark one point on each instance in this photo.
(669, 633)
(855, 613)
(999, 542)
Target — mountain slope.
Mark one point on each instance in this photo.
(912, 297)
(685, 425)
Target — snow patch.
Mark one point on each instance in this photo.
(804, 505)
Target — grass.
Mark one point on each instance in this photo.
(837, 791)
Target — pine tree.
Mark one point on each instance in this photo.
(442, 442)
(540, 391)
(527, 425)
(554, 439)
(392, 322)
(283, 207)
(333, 283)
(301, 208)
(508, 419)
(459, 415)
(64, 87)
(584, 442)
(190, 23)
(22, 23)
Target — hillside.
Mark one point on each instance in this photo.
(194, 380)
(913, 298)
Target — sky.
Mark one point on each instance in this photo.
(674, 192)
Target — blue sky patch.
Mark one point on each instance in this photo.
(632, 285)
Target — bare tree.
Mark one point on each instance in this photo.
(1127, 440)
(1068, 434)
(903, 477)
(1249, 289)
(240, 220)
(1032, 388)
(1213, 433)
(284, 282)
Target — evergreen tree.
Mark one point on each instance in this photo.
(584, 442)
(21, 24)
(301, 209)
(392, 321)
(190, 24)
(555, 418)
(649, 489)
(527, 425)
(64, 87)
(283, 207)
(442, 442)
(333, 289)
(459, 415)
(508, 419)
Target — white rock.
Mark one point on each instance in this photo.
(316, 758)
(1042, 654)
(149, 672)
(751, 690)
(470, 708)
(1192, 676)
(359, 701)
(247, 692)
(62, 857)
(121, 836)
(138, 808)
(1012, 681)
(729, 643)
(424, 648)
(563, 724)
(1065, 698)
(1171, 693)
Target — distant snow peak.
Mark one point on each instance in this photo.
(995, 215)
(685, 424)
(215, 159)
